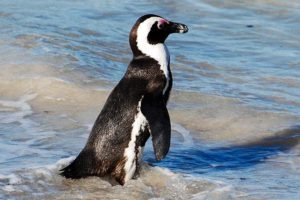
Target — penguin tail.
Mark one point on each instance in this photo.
(71, 172)
(81, 167)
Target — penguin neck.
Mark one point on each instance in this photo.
(159, 52)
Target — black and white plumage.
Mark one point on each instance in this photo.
(135, 109)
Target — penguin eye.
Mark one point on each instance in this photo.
(160, 25)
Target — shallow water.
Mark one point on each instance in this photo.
(235, 106)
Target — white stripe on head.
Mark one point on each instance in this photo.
(159, 51)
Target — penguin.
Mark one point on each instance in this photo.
(135, 109)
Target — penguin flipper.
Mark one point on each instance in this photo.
(157, 115)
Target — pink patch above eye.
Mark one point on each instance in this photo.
(161, 22)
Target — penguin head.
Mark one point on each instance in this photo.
(152, 30)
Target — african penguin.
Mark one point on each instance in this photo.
(135, 109)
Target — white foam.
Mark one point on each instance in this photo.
(60, 163)
(187, 137)
(9, 188)
(221, 192)
(21, 109)
(170, 185)
(12, 179)
(157, 182)
(48, 173)
(43, 173)
(165, 171)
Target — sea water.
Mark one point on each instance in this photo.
(235, 105)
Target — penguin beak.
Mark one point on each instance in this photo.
(177, 27)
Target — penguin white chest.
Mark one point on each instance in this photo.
(138, 125)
